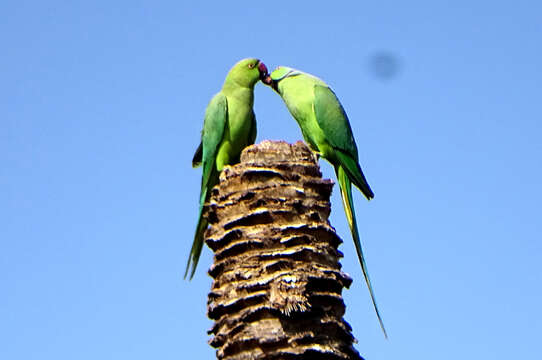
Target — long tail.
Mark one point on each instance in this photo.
(208, 180)
(197, 245)
(346, 194)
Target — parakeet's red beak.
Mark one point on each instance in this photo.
(265, 77)
(263, 71)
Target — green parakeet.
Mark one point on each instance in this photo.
(228, 127)
(326, 129)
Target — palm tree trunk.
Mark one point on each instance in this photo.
(277, 283)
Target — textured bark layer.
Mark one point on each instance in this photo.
(277, 283)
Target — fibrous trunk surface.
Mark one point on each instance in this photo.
(277, 283)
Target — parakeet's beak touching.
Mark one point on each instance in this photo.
(263, 71)
(268, 81)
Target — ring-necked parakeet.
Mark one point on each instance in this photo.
(326, 129)
(228, 127)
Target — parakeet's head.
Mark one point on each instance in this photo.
(247, 72)
(278, 74)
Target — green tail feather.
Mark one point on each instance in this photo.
(346, 194)
(197, 245)
(207, 183)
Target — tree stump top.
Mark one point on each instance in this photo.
(269, 151)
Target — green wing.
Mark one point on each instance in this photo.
(216, 116)
(333, 121)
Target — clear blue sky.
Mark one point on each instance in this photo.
(101, 107)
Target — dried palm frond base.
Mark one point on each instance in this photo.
(277, 279)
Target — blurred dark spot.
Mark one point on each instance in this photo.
(384, 65)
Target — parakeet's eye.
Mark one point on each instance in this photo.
(251, 66)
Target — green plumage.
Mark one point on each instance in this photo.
(228, 127)
(326, 129)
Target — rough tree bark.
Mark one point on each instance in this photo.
(277, 283)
